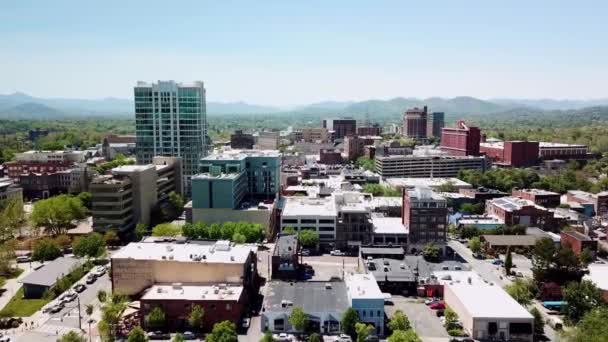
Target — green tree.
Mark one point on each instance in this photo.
(363, 331)
(471, 208)
(90, 246)
(521, 291)
(140, 231)
(366, 163)
(450, 319)
(111, 238)
(592, 328)
(137, 334)
(155, 319)
(399, 321)
(45, 250)
(430, 252)
(72, 336)
(580, 298)
(508, 261)
(223, 332)
(176, 203)
(63, 241)
(381, 190)
(238, 238)
(56, 214)
(267, 337)
(195, 319)
(539, 323)
(11, 218)
(404, 336)
(349, 319)
(166, 229)
(475, 245)
(586, 257)
(85, 199)
(297, 319)
(89, 309)
(314, 337)
(447, 187)
(178, 338)
(102, 296)
(308, 238)
(289, 231)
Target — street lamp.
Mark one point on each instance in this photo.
(90, 321)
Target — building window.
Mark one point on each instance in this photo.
(228, 307)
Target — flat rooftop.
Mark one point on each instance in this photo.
(544, 144)
(381, 201)
(424, 193)
(220, 252)
(540, 192)
(230, 154)
(390, 270)
(511, 203)
(409, 182)
(598, 274)
(301, 206)
(388, 225)
(512, 240)
(223, 292)
(482, 300)
(132, 168)
(363, 286)
(311, 296)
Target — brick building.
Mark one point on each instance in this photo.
(516, 211)
(577, 242)
(354, 147)
(511, 153)
(330, 157)
(415, 123)
(544, 198)
(481, 194)
(424, 214)
(598, 201)
(315, 135)
(341, 127)
(240, 140)
(370, 130)
(461, 140)
(549, 150)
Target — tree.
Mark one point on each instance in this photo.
(366, 163)
(72, 336)
(137, 334)
(178, 338)
(176, 203)
(450, 319)
(308, 238)
(508, 261)
(430, 252)
(89, 309)
(267, 337)
(239, 238)
(166, 229)
(140, 231)
(586, 257)
(90, 246)
(63, 241)
(195, 319)
(580, 298)
(447, 187)
(363, 331)
(349, 319)
(85, 199)
(223, 332)
(404, 336)
(297, 319)
(539, 322)
(381, 190)
(314, 337)
(471, 208)
(289, 231)
(399, 321)
(521, 291)
(11, 217)
(7, 257)
(155, 319)
(102, 296)
(475, 245)
(111, 238)
(592, 328)
(45, 250)
(56, 214)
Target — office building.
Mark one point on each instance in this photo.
(511, 153)
(240, 140)
(267, 141)
(341, 127)
(330, 157)
(544, 198)
(427, 166)
(315, 135)
(374, 130)
(415, 123)
(388, 230)
(171, 121)
(318, 214)
(424, 215)
(462, 140)
(549, 150)
(513, 211)
(127, 197)
(435, 124)
(9, 191)
(353, 147)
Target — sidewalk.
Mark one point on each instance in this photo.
(13, 285)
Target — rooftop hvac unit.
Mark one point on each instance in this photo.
(328, 286)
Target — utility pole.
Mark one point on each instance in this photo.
(79, 315)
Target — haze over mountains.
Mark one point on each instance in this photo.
(23, 106)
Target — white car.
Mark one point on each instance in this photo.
(337, 252)
(99, 271)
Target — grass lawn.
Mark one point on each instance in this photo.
(20, 307)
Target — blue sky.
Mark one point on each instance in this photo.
(296, 52)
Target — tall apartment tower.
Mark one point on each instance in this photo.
(171, 121)
(414, 123)
(435, 124)
(462, 140)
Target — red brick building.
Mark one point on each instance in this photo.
(17, 168)
(513, 211)
(599, 200)
(547, 199)
(415, 123)
(424, 213)
(371, 130)
(341, 127)
(461, 140)
(511, 153)
(577, 242)
(330, 157)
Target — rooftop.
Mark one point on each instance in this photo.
(388, 225)
(482, 300)
(390, 270)
(235, 154)
(553, 144)
(540, 192)
(219, 252)
(311, 296)
(382, 250)
(300, 206)
(428, 182)
(379, 201)
(132, 168)
(511, 240)
(48, 275)
(363, 286)
(578, 236)
(224, 292)
(511, 203)
(424, 193)
(598, 274)
(286, 245)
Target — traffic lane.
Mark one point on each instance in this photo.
(68, 316)
(424, 320)
(489, 272)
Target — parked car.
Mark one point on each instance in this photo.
(24, 258)
(99, 271)
(189, 335)
(430, 301)
(305, 252)
(79, 288)
(440, 313)
(5, 338)
(158, 335)
(69, 296)
(246, 322)
(56, 308)
(91, 279)
(438, 306)
(344, 338)
(497, 262)
(337, 252)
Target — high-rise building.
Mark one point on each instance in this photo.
(461, 140)
(341, 127)
(425, 215)
(171, 120)
(414, 123)
(435, 124)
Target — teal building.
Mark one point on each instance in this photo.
(233, 179)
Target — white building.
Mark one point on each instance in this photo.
(487, 311)
(51, 156)
(433, 183)
(318, 214)
(366, 298)
(388, 230)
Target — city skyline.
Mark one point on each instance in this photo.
(285, 54)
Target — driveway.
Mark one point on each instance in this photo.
(424, 321)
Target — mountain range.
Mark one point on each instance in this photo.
(24, 106)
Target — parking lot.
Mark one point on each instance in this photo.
(328, 266)
(424, 320)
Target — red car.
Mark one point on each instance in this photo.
(438, 306)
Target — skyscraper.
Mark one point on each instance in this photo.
(435, 124)
(414, 123)
(171, 120)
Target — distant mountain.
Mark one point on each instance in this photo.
(549, 104)
(325, 106)
(238, 108)
(31, 110)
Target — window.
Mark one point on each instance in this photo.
(228, 307)
(371, 313)
(308, 221)
(363, 312)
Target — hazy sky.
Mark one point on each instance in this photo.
(295, 52)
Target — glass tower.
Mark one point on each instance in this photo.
(171, 120)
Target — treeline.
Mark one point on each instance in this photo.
(240, 232)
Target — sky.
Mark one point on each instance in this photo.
(296, 52)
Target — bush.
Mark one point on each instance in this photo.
(46, 250)
(455, 332)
